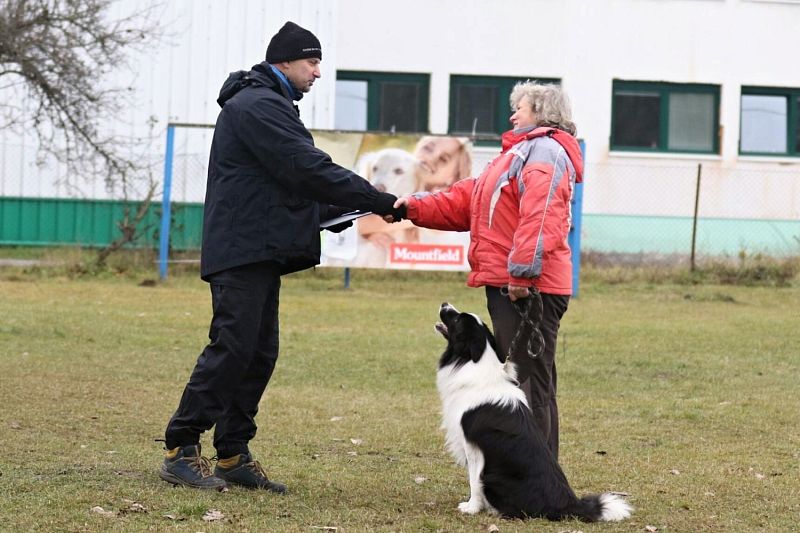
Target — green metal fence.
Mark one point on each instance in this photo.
(92, 223)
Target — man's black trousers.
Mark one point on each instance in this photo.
(537, 377)
(233, 371)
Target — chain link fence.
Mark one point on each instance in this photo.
(656, 212)
(190, 163)
(634, 209)
(27, 172)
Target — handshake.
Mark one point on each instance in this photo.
(390, 207)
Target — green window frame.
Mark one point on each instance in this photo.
(383, 104)
(787, 130)
(493, 105)
(665, 117)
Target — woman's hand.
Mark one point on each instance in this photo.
(517, 292)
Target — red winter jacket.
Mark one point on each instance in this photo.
(517, 211)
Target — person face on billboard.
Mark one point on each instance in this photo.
(441, 161)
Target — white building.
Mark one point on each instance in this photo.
(657, 87)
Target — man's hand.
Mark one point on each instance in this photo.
(517, 292)
(384, 204)
(332, 211)
(399, 211)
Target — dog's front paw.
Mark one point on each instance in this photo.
(469, 507)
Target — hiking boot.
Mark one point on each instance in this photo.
(242, 470)
(186, 467)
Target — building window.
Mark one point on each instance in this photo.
(381, 101)
(479, 105)
(665, 117)
(770, 121)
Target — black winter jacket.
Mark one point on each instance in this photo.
(268, 185)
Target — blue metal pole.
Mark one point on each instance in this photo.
(575, 233)
(163, 254)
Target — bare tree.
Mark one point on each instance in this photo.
(56, 57)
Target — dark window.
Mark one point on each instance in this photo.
(797, 126)
(382, 101)
(397, 99)
(479, 105)
(637, 118)
(475, 108)
(665, 117)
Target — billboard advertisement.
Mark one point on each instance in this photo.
(401, 165)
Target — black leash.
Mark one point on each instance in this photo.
(530, 309)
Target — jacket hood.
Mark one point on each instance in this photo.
(260, 74)
(567, 141)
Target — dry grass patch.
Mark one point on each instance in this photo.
(683, 396)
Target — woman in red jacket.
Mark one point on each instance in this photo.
(518, 215)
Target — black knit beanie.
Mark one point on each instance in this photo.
(293, 42)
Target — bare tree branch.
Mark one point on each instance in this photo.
(56, 57)
(130, 228)
(61, 53)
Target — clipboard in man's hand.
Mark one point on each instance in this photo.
(341, 219)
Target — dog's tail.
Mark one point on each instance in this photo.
(606, 507)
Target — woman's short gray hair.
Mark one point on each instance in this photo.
(549, 102)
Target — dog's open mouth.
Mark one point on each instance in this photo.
(441, 328)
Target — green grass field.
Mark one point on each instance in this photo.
(685, 397)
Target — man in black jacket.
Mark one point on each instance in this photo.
(268, 190)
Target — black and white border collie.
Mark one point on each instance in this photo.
(490, 431)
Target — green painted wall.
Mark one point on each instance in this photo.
(49, 221)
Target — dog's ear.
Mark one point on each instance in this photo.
(476, 349)
(476, 339)
(462, 350)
